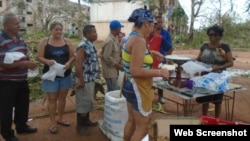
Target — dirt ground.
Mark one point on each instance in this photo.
(40, 119)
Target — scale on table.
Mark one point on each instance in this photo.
(178, 80)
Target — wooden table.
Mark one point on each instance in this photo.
(198, 92)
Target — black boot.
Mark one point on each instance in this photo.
(81, 128)
(89, 122)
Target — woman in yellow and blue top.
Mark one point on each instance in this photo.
(137, 62)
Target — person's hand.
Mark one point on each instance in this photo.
(67, 66)
(80, 85)
(31, 65)
(165, 73)
(216, 67)
(50, 62)
(197, 74)
(159, 56)
(119, 67)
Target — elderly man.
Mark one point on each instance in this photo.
(14, 89)
(111, 56)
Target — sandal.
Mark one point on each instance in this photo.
(63, 123)
(53, 129)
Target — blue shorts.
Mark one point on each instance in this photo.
(57, 84)
(129, 93)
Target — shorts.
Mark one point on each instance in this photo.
(57, 84)
(129, 93)
(215, 99)
(85, 98)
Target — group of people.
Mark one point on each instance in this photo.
(138, 57)
(52, 50)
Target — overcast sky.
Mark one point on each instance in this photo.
(208, 9)
(82, 2)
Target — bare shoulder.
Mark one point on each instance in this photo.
(135, 44)
(67, 40)
(43, 41)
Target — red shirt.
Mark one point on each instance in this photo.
(155, 44)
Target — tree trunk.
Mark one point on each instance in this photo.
(79, 28)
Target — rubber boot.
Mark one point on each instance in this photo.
(89, 122)
(81, 128)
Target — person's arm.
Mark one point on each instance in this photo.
(200, 53)
(229, 62)
(40, 53)
(157, 55)
(170, 51)
(18, 64)
(80, 56)
(22, 64)
(198, 59)
(71, 55)
(107, 50)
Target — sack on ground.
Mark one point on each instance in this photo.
(115, 116)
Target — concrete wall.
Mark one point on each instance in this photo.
(102, 13)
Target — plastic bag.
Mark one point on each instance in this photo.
(54, 70)
(213, 81)
(193, 67)
(10, 57)
(33, 73)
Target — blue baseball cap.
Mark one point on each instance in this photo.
(115, 24)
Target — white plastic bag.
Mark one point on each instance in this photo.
(10, 57)
(213, 81)
(193, 67)
(49, 75)
(54, 70)
(33, 73)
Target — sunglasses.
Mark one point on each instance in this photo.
(213, 34)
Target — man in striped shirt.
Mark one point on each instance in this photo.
(14, 89)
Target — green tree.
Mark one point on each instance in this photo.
(179, 19)
(195, 9)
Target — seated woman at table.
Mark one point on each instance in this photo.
(219, 56)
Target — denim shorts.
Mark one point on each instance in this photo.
(57, 84)
(129, 93)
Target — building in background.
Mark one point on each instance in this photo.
(37, 14)
(101, 13)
